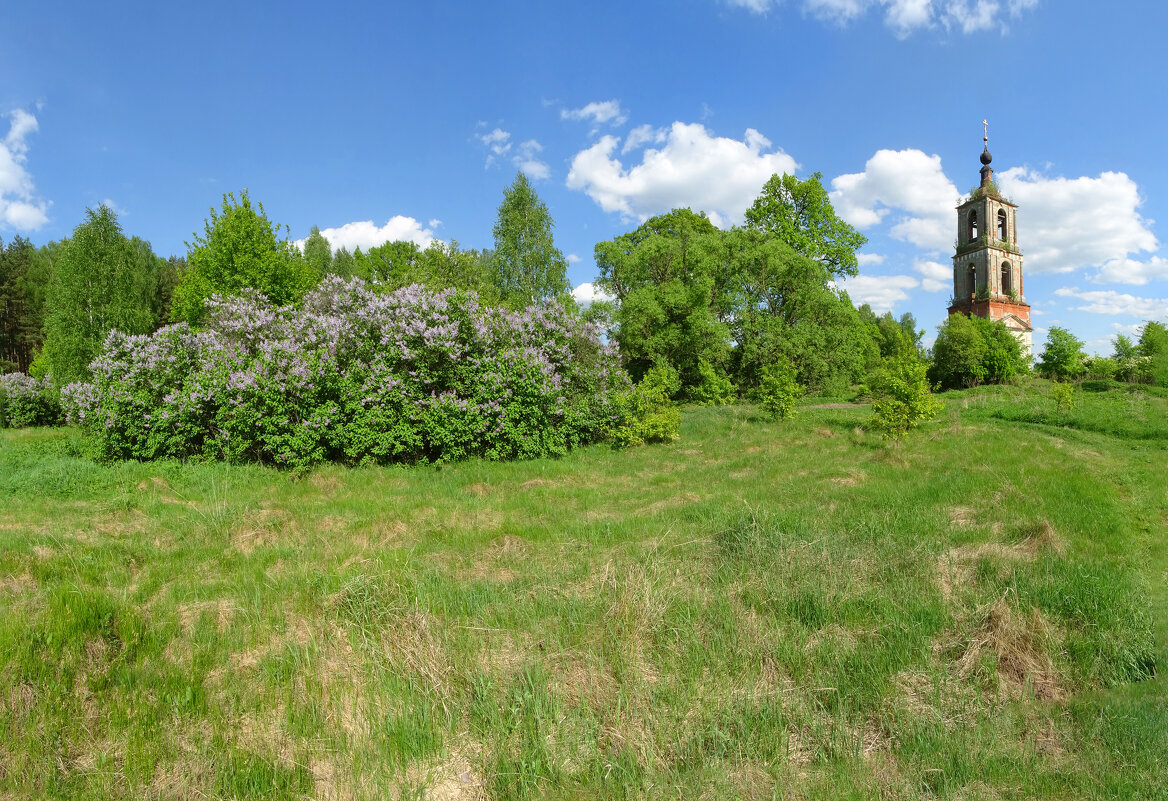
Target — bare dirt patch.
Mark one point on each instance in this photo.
(455, 778)
(536, 483)
(222, 609)
(854, 478)
(669, 503)
(1020, 646)
(327, 484)
(962, 517)
(18, 585)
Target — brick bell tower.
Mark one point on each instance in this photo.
(987, 267)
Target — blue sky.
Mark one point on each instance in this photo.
(407, 120)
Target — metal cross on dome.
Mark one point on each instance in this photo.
(985, 132)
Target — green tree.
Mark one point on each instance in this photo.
(1153, 348)
(527, 264)
(732, 302)
(240, 248)
(782, 306)
(101, 281)
(778, 390)
(1062, 357)
(20, 329)
(902, 400)
(170, 273)
(344, 264)
(973, 350)
(800, 213)
(318, 253)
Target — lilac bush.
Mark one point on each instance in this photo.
(357, 376)
(27, 401)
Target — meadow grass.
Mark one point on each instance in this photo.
(761, 610)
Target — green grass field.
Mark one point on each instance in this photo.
(762, 610)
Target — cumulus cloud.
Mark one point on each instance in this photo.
(598, 112)
(364, 234)
(498, 142)
(909, 182)
(906, 16)
(524, 156)
(1130, 271)
(643, 135)
(572, 258)
(20, 207)
(1065, 224)
(866, 259)
(693, 168)
(526, 159)
(935, 276)
(881, 292)
(1108, 301)
(586, 294)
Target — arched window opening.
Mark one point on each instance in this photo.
(973, 226)
(1007, 279)
(972, 280)
(1002, 229)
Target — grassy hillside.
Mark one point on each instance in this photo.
(763, 610)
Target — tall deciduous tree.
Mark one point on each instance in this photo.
(1062, 358)
(527, 265)
(318, 253)
(240, 248)
(800, 213)
(102, 280)
(735, 301)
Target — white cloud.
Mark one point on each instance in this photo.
(869, 258)
(643, 135)
(935, 276)
(840, 12)
(498, 142)
(708, 173)
(1108, 301)
(908, 181)
(364, 234)
(971, 17)
(757, 6)
(585, 294)
(20, 208)
(114, 207)
(572, 258)
(906, 16)
(598, 112)
(1130, 271)
(881, 292)
(526, 160)
(1068, 223)
(525, 156)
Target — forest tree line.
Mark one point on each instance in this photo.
(712, 309)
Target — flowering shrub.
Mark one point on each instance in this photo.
(27, 401)
(354, 376)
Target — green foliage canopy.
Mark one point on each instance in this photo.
(973, 350)
(731, 302)
(240, 248)
(101, 281)
(800, 213)
(1062, 357)
(527, 265)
